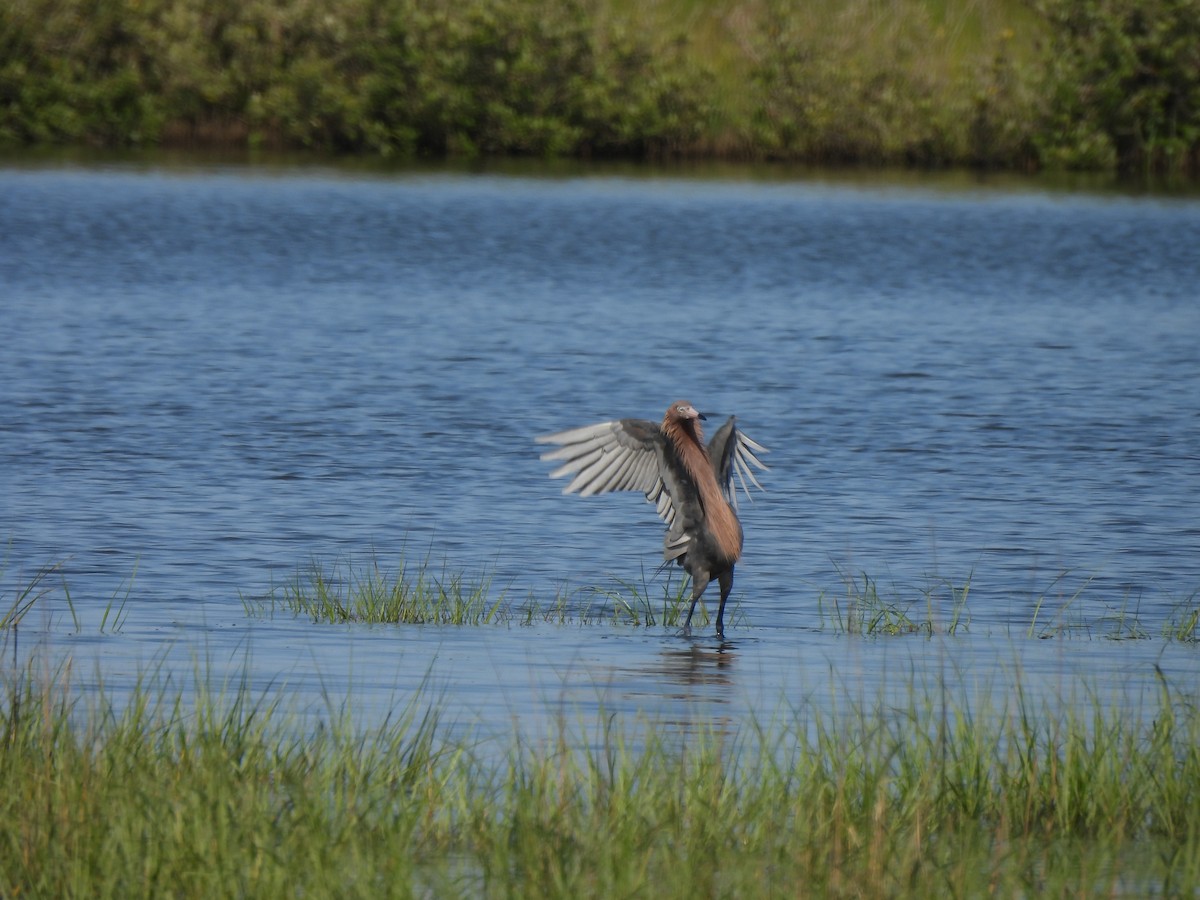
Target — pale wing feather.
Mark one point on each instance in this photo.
(603, 475)
(743, 458)
(622, 455)
(581, 462)
(621, 470)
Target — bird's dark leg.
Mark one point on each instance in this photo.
(725, 579)
(699, 583)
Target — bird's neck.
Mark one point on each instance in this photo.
(688, 440)
(718, 515)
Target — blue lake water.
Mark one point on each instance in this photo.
(212, 377)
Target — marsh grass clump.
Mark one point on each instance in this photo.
(228, 792)
(411, 595)
(863, 611)
(647, 602)
(39, 590)
(416, 594)
(1184, 622)
(1069, 606)
(941, 605)
(16, 605)
(198, 794)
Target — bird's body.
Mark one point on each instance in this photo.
(691, 484)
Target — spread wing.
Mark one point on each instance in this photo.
(733, 453)
(622, 455)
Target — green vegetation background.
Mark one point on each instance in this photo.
(1089, 84)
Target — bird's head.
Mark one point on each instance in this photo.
(682, 411)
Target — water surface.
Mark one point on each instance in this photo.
(214, 376)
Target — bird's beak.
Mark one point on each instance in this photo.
(701, 416)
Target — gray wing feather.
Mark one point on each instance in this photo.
(734, 454)
(622, 455)
(662, 500)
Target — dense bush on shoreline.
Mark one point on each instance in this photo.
(390, 77)
(1098, 84)
(1123, 82)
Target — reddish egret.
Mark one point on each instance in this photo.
(691, 485)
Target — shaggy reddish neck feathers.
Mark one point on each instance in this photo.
(688, 439)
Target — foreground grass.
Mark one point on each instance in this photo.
(231, 795)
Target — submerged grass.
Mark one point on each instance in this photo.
(230, 794)
(941, 606)
(24, 597)
(412, 597)
(645, 603)
(37, 590)
(418, 595)
(1184, 622)
(861, 609)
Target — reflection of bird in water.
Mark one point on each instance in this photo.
(699, 667)
(691, 484)
(691, 686)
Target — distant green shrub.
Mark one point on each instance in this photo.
(1067, 83)
(1001, 123)
(1123, 82)
(907, 100)
(505, 76)
(74, 72)
(822, 101)
(394, 77)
